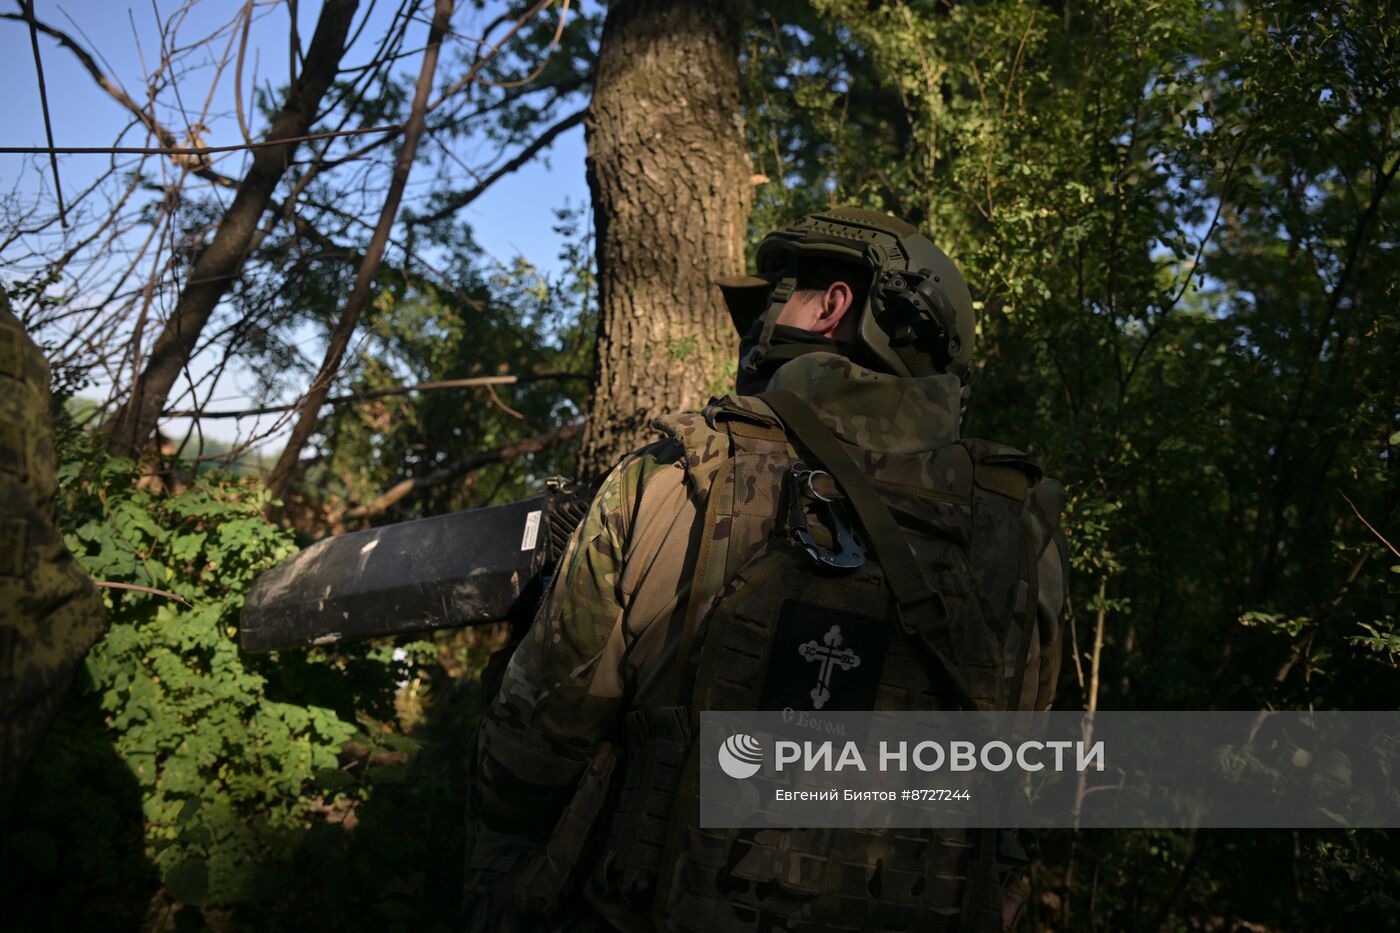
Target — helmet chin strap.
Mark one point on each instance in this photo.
(777, 298)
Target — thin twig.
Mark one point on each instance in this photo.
(1369, 526)
(112, 585)
(44, 103)
(548, 54)
(544, 140)
(195, 150)
(496, 399)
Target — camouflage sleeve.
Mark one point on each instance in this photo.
(546, 722)
(50, 612)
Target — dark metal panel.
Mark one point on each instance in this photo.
(466, 568)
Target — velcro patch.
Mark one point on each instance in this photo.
(824, 660)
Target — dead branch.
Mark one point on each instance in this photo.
(359, 296)
(1369, 527)
(222, 260)
(474, 382)
(446, 474)
(44, 105)
(543, 141)
(137, 588)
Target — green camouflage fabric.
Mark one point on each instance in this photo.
(50, 612)
(601, 653)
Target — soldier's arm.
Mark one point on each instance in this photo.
(50, 612)
(545, 723)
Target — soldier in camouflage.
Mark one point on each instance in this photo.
(865, 322)
(50, 612)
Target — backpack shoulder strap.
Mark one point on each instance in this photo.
(733, 448)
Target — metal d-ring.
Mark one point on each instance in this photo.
(813, 489)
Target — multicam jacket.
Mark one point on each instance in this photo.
(50, 612)
(605, 640)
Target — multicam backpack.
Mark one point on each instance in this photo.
(939, 614)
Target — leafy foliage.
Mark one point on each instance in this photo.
(241, 773)
(222, 767)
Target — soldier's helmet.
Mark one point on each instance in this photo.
(917, 317)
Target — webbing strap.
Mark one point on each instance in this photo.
(690, 621)
(896, 559)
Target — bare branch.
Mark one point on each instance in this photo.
(281, 475)
(446, 474)
(222, 260)
(1369, 526)
(44, 104)
(545, 139)
(135, 587)
(475, 382)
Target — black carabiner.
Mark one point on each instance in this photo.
(850, 552)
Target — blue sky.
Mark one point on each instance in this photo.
(514, 218)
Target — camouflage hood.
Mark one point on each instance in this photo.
(876, 412)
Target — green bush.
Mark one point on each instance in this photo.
(228, 776)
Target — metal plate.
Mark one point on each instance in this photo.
(466, 568)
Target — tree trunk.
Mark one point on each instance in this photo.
(369, 266)
(222, 261)
(669, 173)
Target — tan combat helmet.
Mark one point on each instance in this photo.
(917, 318)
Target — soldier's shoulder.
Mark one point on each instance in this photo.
(701, 439)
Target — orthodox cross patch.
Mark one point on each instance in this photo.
(832, 657)
(824, 660)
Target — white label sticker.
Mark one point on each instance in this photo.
(532, 531)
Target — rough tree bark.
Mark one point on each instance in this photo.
(369, 266)
(220, 263)
(669, 173)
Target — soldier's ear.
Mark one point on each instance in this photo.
(836, 306)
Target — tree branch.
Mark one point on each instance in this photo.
(544, 140)
(446, 474)
(221, 262)
(369, 267)
(384, 393)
